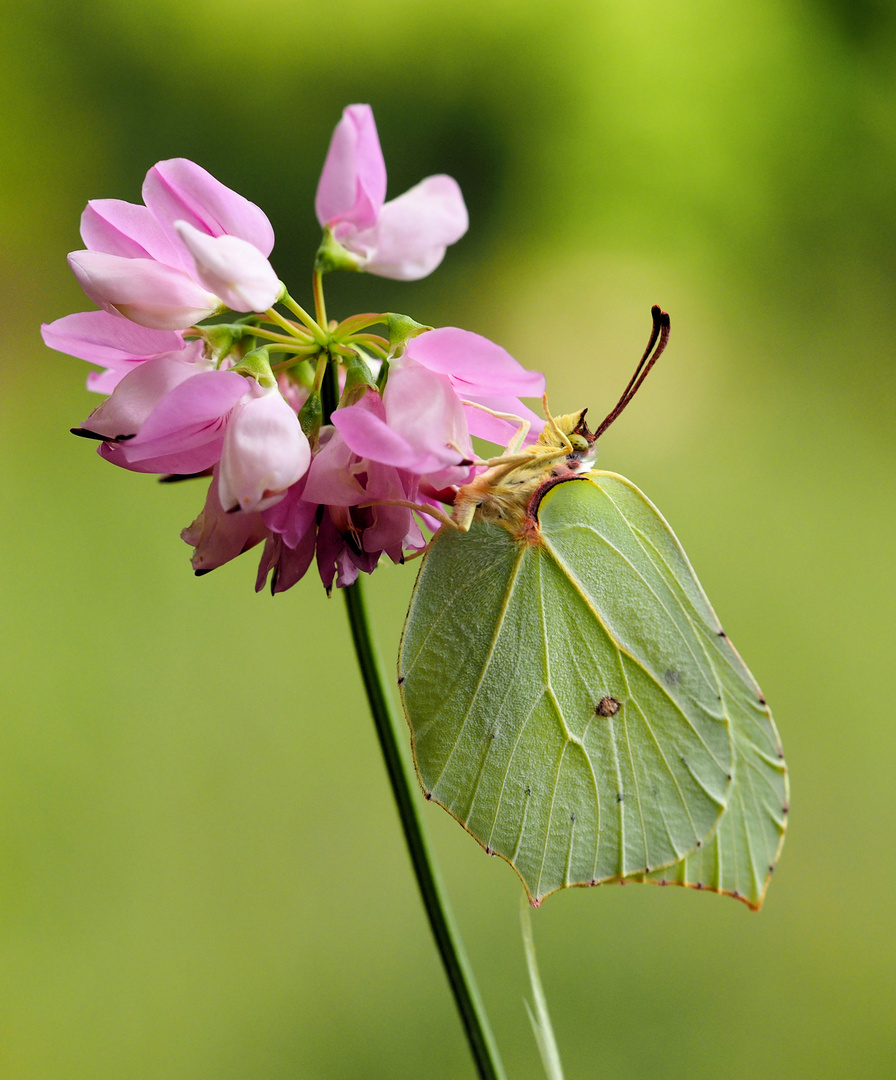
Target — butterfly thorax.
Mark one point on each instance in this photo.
(502, 493)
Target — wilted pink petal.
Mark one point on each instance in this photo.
(338, 558)
(409, 239)
(106, 339)
(353, 181)
(219, 537)
(264, 452)
(129, 230)
(231, 268)
(287, 563)
(147, 292)
(290, 549)
(294, 515)
(181, 190)
(392, 529)
(185, 432)
(123, 414)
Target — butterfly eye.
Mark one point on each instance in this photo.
(579, 443)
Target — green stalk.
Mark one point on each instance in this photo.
(407, 796)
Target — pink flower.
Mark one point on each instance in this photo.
(195, 247)
(417, 425)
(482, 372)
(180, 428)
(265, 451)
(137, 394)
(405, 238)
(325, 513)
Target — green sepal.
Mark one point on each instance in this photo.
(331, 255)
(311, 416)
(401, 329)
(358, 379)
(219, 340)
(256, 365)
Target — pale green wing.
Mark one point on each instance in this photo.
(563, 699)
(741, 854)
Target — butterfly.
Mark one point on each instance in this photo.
(573, 700)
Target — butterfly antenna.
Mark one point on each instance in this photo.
(659, 337)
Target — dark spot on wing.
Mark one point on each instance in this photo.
(400, 679)
(607, 706)
(671, 677)
(618, 796)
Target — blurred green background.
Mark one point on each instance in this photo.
(201, 874)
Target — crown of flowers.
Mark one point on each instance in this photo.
(322, 439)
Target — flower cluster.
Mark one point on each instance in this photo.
(322, 439)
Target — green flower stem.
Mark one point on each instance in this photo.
(300, 313)
(355, 323)
(290, 339)
(320, 306)
(275, 317)
(407, 796)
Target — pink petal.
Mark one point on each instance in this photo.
(185, 432)
(369, 436)
(425, 410)
(414, 230)
(331, 477)
(122, 228)
(147, 292)
(265, 451)
(180, 190)
(500, 431)
(231, 268)
(104, 382)
(423, 418)
(107, 339)
(475, 365)
(353, 181)
(139, 392)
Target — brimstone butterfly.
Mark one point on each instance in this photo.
(572, 698)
